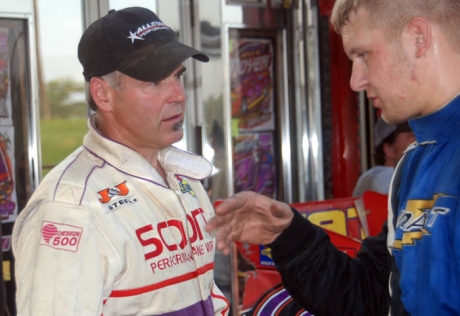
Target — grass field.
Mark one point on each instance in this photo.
(60, 137)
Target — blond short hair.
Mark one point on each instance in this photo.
(393, 15)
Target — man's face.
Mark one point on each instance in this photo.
(382, 68)
(149, 116)
(402, 141)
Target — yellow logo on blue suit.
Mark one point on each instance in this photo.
(419, 218)
(184, 186)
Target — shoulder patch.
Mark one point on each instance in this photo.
(60, 236)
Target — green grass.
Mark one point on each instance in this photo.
(60, 137)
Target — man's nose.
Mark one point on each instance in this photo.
(358, 80)
(177, 92)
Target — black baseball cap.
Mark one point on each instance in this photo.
(135, 42)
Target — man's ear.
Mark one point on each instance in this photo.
(101, 92)
(420, 31)
(388, 150)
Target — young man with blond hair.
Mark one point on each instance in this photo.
(406, 57)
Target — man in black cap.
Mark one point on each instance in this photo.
(118, 227)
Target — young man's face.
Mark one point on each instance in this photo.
(381, 68)
(149, 115)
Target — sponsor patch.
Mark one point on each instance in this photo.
(185, 186)
(108, 193)
(60, 236)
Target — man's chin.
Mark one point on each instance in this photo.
(178, 135)
(178, 126)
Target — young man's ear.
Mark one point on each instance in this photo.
(101, 92)
(420, 31)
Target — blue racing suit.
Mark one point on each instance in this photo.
(413, 266)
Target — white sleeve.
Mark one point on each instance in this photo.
(63, 263)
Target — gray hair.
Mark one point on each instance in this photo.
(113, 79)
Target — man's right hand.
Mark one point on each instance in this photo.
(249, 217)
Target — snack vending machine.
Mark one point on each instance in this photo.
(19, 165)
(253, 114)
(259, 123)
(259, 114)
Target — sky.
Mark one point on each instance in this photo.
(60, 27)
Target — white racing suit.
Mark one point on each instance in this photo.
(103, 235)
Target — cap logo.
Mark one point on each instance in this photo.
(146, 29)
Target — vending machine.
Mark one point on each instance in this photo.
(260, 120)
(19, 156)
(253, 112)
